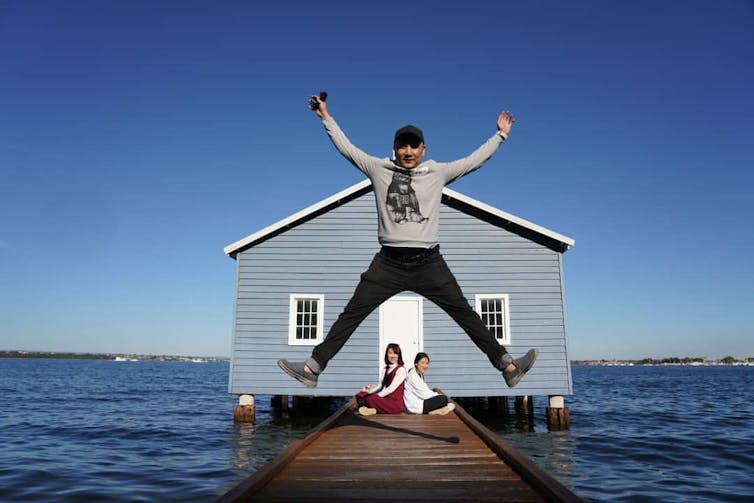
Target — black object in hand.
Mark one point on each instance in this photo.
(314, 104)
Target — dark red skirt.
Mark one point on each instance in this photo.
(391, 404)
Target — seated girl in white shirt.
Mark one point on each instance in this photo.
(417, 397)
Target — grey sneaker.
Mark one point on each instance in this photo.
(297, 371)
(523, 365)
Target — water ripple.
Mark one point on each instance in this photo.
(151, 431)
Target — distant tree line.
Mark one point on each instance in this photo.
(685, 360)
(728, 360)
(53, 354)
(674, 360)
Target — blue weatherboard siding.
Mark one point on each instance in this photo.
(326, 254)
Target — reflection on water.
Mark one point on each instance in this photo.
(254, 444)
(241, 440)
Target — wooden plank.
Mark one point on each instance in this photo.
(476, 491)
(531, 472)
(398, 458)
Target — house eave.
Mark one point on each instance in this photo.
(307, 213)
(551, 239)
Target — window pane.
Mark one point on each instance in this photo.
(306, 318)
(492, 312)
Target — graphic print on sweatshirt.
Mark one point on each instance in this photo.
(402, 202)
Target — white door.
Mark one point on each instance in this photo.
(401, 322)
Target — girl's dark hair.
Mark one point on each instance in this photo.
(396, 349)
(419, 356)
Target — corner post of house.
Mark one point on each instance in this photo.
(558, 416)
(245, 410)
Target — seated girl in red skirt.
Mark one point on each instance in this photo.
(388, 397)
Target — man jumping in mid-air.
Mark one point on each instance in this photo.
(408, 191)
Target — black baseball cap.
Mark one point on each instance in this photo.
(409, 133)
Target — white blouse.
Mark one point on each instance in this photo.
(415, 392)
(398, 378)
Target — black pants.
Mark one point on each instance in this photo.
(424, 273)
(434, 403)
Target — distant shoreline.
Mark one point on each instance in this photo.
(691, 362)
(61, 355)
(110, 356)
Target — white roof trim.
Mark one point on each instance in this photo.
(507, 216)
(231, 248)
(234, 247)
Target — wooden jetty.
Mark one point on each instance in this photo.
(401, 457)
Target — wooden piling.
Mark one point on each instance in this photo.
(558, 416)
(524, 405)
(499, 405)
(245, 410)
(280, 406)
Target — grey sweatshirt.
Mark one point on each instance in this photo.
(408, 200)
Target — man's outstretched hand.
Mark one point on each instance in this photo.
(505, 122)
(320, 109)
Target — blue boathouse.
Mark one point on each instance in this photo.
(295, 276)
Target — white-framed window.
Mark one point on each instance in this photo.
(494, 311)
(306, 319)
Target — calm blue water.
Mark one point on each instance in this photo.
(163, 431)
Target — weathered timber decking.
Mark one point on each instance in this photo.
(397, 458)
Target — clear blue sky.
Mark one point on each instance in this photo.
(137, 139)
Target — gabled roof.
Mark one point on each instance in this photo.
(454, 199)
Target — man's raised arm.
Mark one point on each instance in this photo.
(363, 161)
(458, 168)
